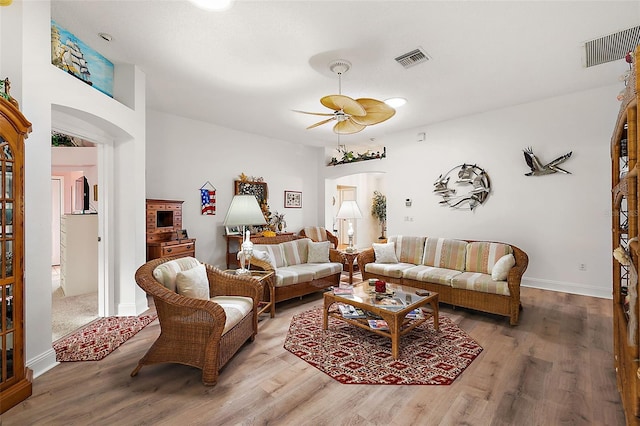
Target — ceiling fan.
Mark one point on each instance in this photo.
(352, 115)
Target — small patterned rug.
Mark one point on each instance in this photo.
(99, 338)
(355, 356)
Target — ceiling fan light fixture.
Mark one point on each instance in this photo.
(213, 5)
(395, 102)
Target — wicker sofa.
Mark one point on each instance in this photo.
(288, 256)
(478, 275)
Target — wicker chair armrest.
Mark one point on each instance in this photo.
(261, 264)
(336, 256)
(223, 284)
(366, 256)
(333, 239)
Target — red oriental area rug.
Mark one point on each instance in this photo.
(99, 338)
(355, 356)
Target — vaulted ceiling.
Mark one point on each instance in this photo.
(248, 67)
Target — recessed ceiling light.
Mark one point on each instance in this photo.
(217, 5)
(395, 102)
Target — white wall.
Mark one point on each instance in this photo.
(183, 154)
(42, 90)
(560, 220)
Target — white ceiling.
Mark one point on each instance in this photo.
(248, 67)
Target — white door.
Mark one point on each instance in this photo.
(56, 211)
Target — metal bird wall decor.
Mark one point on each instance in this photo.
(537, 169)
(471, 178)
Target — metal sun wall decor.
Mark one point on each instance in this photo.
(471, 188)
(537, 169)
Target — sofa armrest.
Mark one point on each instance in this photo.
(336, 256)
(517, 271)
(366, 256)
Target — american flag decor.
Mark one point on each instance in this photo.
(208, 201)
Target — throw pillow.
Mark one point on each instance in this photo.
(265, 257)
(502, 267)
(385, 252)
(319, 252)
(193, 283)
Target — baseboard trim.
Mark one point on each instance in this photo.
(43, 362)
(568, 287)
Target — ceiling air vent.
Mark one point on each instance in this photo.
(611, 47)
(412, 58)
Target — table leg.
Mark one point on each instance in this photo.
(435, 308)
(325, 312)
(272, 295)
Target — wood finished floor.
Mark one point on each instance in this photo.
(554, 368)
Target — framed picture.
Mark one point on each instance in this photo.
(232, 230)
(293, 199)
(182, 234)
(259, 189)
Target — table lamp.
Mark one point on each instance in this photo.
(349, 210)
(244, 210)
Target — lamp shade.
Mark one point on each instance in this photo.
(349, 210)
(244, 210)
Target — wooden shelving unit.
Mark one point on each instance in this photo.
(625, 151)
(164, 220)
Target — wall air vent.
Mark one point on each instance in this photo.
(412, 58)
(611, 47)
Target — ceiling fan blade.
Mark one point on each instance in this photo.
(377, 112)
(320, 123)
(344, 103)
(324, 114)
(347, 127)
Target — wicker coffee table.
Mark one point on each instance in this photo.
(365, 298)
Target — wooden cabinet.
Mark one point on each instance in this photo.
(625, 152)
(15, 378)
(164, 221)
(79, 253)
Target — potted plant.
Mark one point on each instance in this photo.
(379, 210)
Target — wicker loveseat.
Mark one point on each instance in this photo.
(205, 328)
(297, 273)
(480, 275)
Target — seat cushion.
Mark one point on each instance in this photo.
(166, 272)
(295, 274)
(296, 251)
(393, 270)
(235, 308)
(445, 253)
(321, 270)
(483, 283)
(409, 249)
(430, 274)
(482, 255)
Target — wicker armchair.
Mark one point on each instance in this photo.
(191, 330)
(314, 232)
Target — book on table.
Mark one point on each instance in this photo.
(378, 324)
(348, 311)
(343, 290)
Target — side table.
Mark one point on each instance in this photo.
(267, 278)
(350, 258)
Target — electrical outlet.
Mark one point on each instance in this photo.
(582, 267)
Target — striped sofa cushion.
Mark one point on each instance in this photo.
(316, 233)
(296, 251)
(480, 282)
(408, 249)
(445, 253)
(482, 255)
(431, 274)
(393, 270)
(275, 252)
(293, 275)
